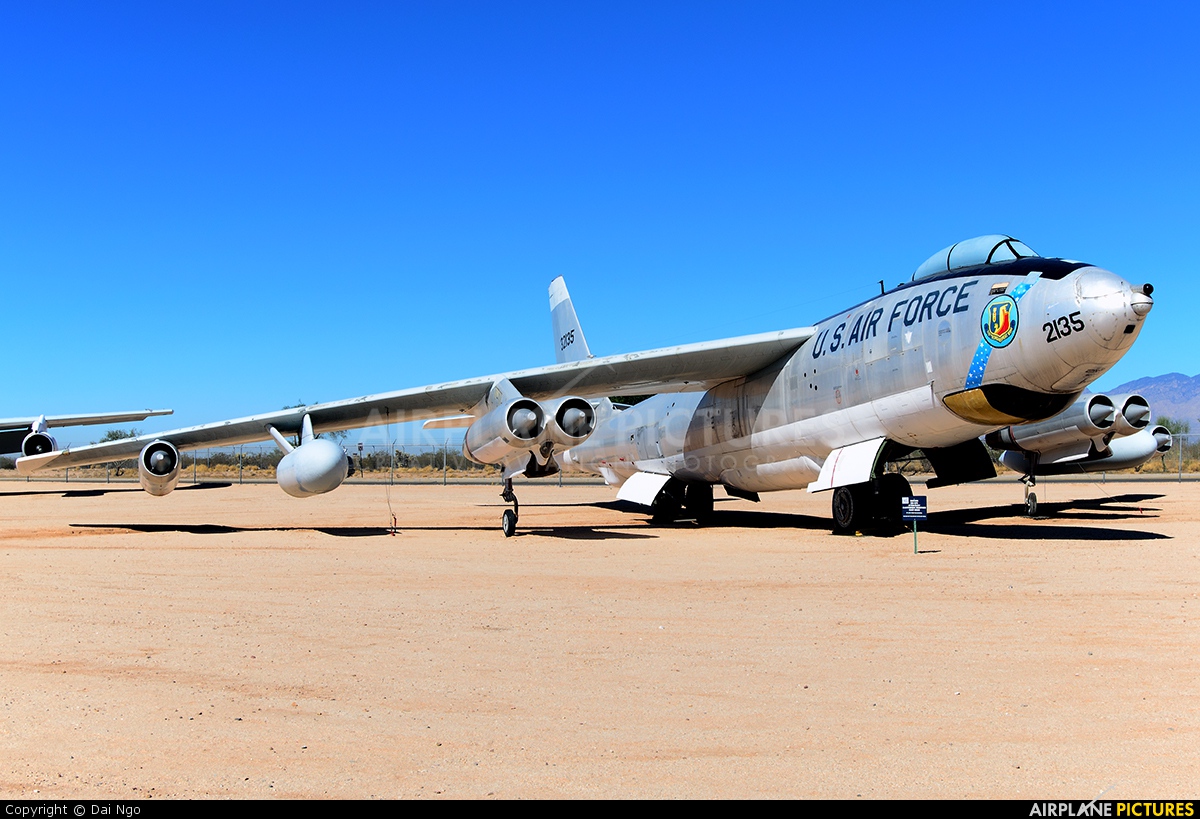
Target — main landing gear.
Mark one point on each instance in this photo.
(508, 521)
(682, 500)
(874, 505)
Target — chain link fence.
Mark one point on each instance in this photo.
(256, 463)
(445, 464)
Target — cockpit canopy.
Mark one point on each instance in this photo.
(994, 248)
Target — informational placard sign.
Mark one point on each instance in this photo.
(913, 508)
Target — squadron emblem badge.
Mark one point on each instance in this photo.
(999, 321)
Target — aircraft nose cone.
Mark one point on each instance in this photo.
(1141, 301)
(1111, 307)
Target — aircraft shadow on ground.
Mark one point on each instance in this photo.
(107, 490)
(971, 522)
(975, 522)
(567, 532)
(217, 529)
(70, 493)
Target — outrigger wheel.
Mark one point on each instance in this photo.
(1030, 495)
(508, 521)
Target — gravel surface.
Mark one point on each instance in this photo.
(235, 642)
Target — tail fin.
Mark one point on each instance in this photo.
(569, 343)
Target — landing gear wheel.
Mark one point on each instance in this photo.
(849, 509)
(668, 503)
(508, 523)
(698, 499)
(1031, 504)
(892, 487)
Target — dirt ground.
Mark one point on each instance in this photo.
(235, 642)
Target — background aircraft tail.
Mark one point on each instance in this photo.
(569, 343)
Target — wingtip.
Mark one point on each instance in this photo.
(33, 463)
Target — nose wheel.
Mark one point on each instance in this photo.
(1031, 500)
(508, 521)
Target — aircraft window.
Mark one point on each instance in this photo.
(1002, 253)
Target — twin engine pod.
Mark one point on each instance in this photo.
(524, 425)
(1095, 433)
(158, 468)
(1090, 418)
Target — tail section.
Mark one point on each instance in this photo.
(569, 343)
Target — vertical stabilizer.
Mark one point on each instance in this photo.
(569, 343)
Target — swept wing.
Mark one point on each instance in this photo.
(9, 424)
(14, 430)
(685, 368)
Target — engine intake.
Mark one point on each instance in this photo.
(158, 467)
(570, 421)
(38, 443)
(1133, 414)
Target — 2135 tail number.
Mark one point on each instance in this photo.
(1062, 327)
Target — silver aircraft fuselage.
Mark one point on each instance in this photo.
(933, 363)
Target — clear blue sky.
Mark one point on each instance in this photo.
(228, 207)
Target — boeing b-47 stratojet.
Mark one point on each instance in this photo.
(986, 338)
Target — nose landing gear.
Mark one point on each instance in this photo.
(1031, 500)
(508, 521)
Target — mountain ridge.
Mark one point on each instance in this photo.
(1174, 395)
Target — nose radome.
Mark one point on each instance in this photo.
(1141, 301)
(1111, 307)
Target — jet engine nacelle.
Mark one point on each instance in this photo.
(569, 421)
(38, 443)
(313, 468)
(1082, 427)
(1133, 414)
(158, 468)
(1122, 453)
(516, 426)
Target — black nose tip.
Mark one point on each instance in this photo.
(1148, 289)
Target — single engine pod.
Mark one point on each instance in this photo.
(38, 443)
(158, 467)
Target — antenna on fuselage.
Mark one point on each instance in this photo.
(882, 289)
